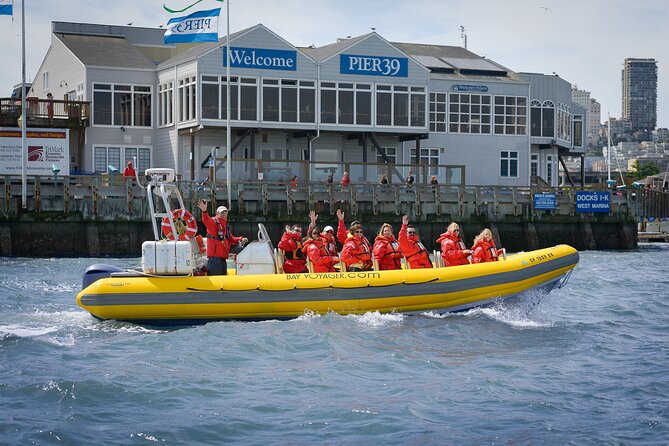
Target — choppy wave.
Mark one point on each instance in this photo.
(585, 364)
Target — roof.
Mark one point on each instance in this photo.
(454, 59)
(105, 51)
(324, 52)
(198, 50)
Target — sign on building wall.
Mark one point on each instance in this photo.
(261, 58)
(46, 149)
(470, 88)
(374, 65)
(545, 201)
(593, 201)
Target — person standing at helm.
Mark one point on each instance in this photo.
(219, 239)
(453, 249)
(412, 248)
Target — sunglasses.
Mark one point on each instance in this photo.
(297, 229)
(411, 232)
(456, 230)
(358, 232)
(330, 232)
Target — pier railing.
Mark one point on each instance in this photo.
(110, 198)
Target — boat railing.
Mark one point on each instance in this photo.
(114, 197)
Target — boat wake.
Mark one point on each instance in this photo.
(376, 319)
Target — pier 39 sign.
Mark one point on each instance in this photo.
(261, 58)
(374, 65)
(593, 201)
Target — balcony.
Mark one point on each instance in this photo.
(45, 113)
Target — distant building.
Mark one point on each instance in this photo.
(661, 135)
(593, 114)
(639, 93)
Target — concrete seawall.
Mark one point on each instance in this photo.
(125, 238)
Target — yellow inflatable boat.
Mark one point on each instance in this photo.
(167, 291)
(171, 300)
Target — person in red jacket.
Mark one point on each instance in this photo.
(291, 244)
(484, 249)
(345, 181)
(387, 252)
(219, 239)
(329, 240)
(453, 249)
(322, 260)
(411, 246)
(356, 252)
(129, 171)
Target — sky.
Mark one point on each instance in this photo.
(583, 41)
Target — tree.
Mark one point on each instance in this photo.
(645, 169)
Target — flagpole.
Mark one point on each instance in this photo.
(24, 120)
(228, 137)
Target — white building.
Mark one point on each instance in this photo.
(359, 100)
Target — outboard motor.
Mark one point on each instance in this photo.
(97, 272)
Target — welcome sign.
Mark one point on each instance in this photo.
(261, 58)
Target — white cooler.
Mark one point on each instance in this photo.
(165, 257)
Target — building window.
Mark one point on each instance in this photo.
(563, 122)
(510, 115)
(329, 102)
(542, 119)
(243, 98)
(187, 98)
(122, 105)
(363, 104)
(578, 131)
(400, 106)
(437, 112)
(346, 103)
(469, 113)
(270, 100)
(45, 80)
(80, 92)
(549, 169)
(307, 101)
(381, 166)
(534, 166)
(211, 97)
(428, 157)
(508, 164)
(118, 158)
(417, 106)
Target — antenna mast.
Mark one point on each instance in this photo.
(463, 36)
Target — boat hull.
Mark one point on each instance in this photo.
(177, 300)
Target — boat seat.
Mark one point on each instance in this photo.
(438, 261)
(279, 258)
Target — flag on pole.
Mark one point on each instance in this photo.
(174, 11)
(5, 7)
(200, 26)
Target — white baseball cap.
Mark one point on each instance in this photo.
(328, 228)
(221, 209)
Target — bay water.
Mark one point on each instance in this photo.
(585, 364)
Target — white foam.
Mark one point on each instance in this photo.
(376, 319)
(510, 316)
